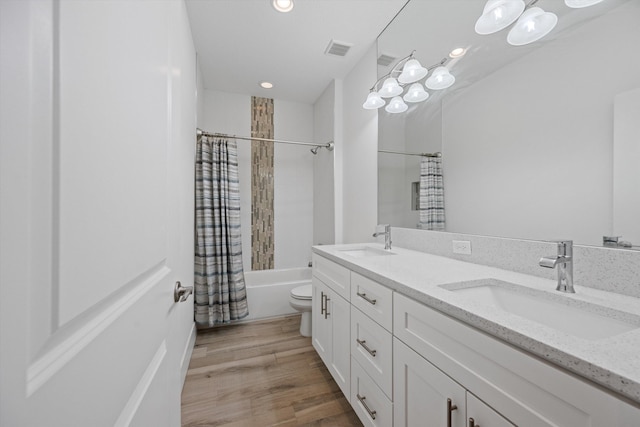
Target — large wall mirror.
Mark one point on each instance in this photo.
(538, 142)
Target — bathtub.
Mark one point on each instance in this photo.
(268, 291)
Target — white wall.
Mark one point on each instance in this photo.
(293, 175)
(293, 184)
(359, 148)
(230, 113)
(323, 169)
(559, 118)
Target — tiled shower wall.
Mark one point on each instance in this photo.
(262, 185)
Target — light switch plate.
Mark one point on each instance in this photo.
(462, 247)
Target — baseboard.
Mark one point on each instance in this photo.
(186, 355)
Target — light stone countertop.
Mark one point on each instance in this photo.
(612, 362)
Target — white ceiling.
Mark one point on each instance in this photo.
(243, 42)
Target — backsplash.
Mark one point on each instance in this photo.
(608, 269)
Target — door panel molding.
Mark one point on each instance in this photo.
(64, 347)
(137, 397)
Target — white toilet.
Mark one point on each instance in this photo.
(300, 299)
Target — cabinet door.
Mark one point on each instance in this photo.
(423, 395)
(481, 415)
(320, 324)
(339, 315)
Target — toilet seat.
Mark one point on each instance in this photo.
(303, 292)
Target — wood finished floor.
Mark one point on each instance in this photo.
(261, 374)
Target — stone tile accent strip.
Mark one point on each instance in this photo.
(262, 241)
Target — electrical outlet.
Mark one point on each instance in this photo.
(462, 247)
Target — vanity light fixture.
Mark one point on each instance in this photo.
(440, 79)
(498, 15)
(532, 25)
(577, 4)
(396, 105)
(416, 93)
(533, 22)
(408, 70)
(412, 72)
(282, 5)
(390, 88)
(266, 85)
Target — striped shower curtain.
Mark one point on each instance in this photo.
(431, 194)
(220, 293)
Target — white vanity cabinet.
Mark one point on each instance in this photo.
(524, 389)
(425, 396)
(331, 319)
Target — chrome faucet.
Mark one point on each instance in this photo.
(387, 236)
(564, 262)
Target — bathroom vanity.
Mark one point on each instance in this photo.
(415, 339)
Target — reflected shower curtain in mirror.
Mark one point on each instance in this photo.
(431, 194)
(220, 292)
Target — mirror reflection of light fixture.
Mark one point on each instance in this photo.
(373, 101)
(532, 25)
(412, 72)
(416, 93)
(408, 70)
(498, 15)
(396, 105)
(577, 4)
(390, 88)
(440, 79)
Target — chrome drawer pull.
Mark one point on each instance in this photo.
(364, 345)
(372, 414)
(366, 298)
(450, 408)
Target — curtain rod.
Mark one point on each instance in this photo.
(437, 154)
(327, 145)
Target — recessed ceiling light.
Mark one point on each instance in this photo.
(266, 85)
(282, 5)
(457, 52)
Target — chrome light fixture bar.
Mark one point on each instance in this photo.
(406, 71)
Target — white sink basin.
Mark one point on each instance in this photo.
(575, 317)
(365, 252)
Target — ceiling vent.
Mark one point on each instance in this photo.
(385, 60)
(337, 48)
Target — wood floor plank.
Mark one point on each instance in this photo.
(261, 374)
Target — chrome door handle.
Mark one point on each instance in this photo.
(372, 414)
(326, 305)
(181, 293)
(363, 343)
(322, 307)
(472, 423)
(366, 298)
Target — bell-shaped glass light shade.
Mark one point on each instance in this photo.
(416, 93)
(533, 25)
(412, 72)
(390, 88)
(396, 105)
(499, 14)
(440, 79)
(373, 101)
(577, 4)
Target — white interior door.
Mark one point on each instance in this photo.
(96, 213)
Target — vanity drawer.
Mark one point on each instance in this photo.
(373, 299)
(372, 406)
(372, 347)
(333, 275)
